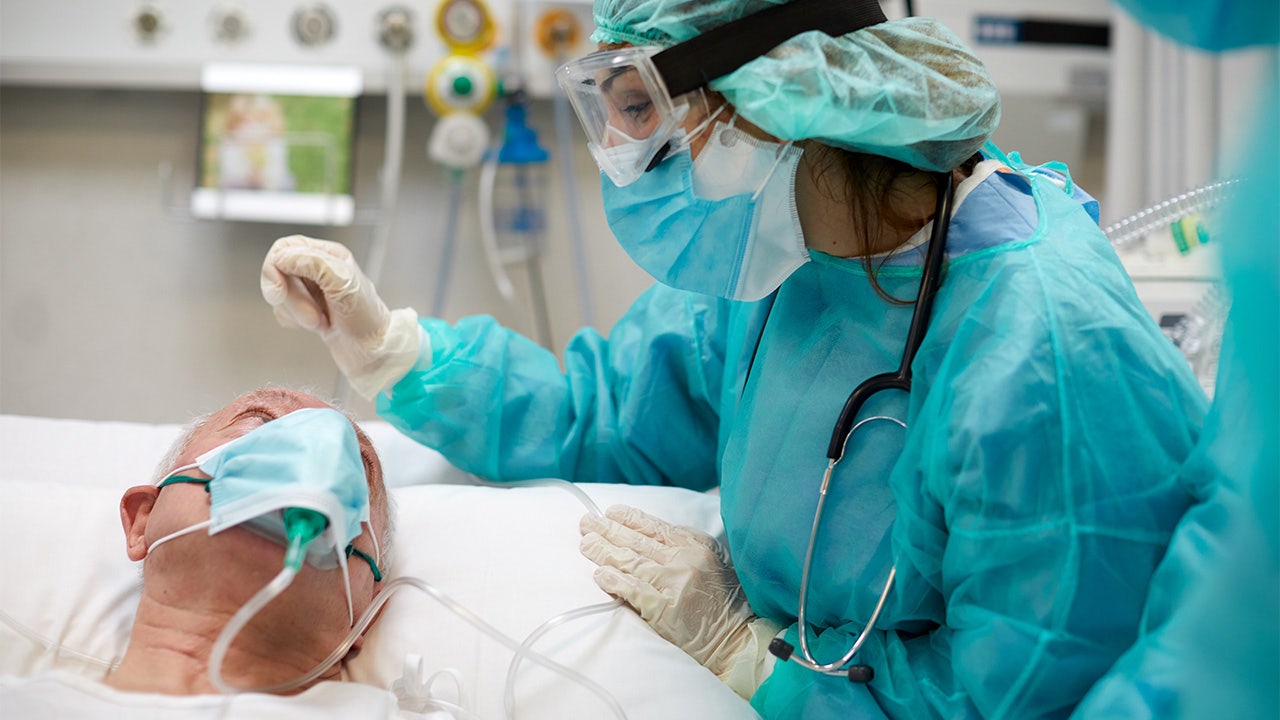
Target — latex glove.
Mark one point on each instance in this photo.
(317, 285)
(682, 584)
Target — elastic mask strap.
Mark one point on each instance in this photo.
(184, 531)
(777, 160)
(782, 152)
(373, 565)
(180, 479)
(377, 550)
(687, 138)
(720, 51)
(176, 471)
(346, 584)
(702, 126)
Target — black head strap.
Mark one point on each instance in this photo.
(718, 52)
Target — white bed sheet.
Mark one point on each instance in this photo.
(510, 555)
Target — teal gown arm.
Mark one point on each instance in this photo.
(637, 407)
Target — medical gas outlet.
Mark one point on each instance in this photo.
(461, 85)
(395, 29)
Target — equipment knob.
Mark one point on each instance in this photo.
(230, 26)
(314, 24)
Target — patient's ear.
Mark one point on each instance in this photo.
(135, 511)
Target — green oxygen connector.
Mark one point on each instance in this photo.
(301, 526)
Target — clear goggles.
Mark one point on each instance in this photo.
(631, 121)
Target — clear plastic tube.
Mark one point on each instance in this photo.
(448, 245)
(565, 485)
(242, 617)
(509, 692)
(565, 142)
(55, 647)
(1198, 335)
(392, 158)
(488, 232)
(447, 706)
(1134, 228)
(476, 621)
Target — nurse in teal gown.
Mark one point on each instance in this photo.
(1025, 506)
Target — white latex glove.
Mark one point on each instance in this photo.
(317, 285)
(682, 584)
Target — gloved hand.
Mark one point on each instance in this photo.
(681, 583)
(317, 285)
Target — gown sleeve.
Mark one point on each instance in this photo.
(638, 407)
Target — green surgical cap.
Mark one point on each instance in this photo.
(904, 89)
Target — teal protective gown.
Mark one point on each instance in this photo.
(1025, 507)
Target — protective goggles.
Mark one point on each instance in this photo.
(633, 101)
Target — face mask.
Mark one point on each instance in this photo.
(307, 459)
(723, 225)
(623, 154)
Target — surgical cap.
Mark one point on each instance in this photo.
(905, 89)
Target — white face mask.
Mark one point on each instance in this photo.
(734, 163)
(739, 241)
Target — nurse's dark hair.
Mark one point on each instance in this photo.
(873, 185)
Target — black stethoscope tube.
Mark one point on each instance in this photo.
(930, 280)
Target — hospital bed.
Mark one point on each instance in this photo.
(509, 555)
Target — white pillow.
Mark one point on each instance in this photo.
(509, 555)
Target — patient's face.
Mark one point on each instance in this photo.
(316, 595)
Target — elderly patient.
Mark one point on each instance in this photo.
(195, 582)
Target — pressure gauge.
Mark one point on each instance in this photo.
(465, 25)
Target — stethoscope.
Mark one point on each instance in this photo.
(845, 426)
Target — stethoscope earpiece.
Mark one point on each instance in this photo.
(860, 674)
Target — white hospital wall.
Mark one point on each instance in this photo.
(113, 306)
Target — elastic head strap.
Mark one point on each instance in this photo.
(178, 479)
(377, 574)
(718, 52)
